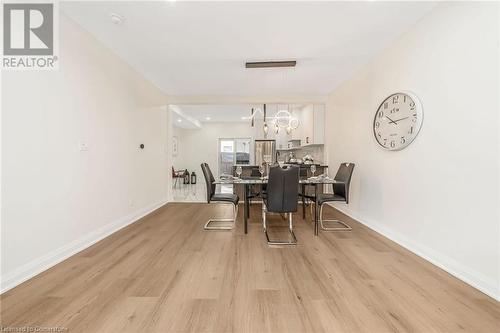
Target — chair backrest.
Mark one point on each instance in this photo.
(303, 172)
(343, 175)
(209, 180)
(282, 190)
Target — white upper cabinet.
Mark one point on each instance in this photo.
(296, 133)
(307, 125)
(312, 124)
(282, 140)
(319, 124)
(311, 130)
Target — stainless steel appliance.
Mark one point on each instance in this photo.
(265, 151)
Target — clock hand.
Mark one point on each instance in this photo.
(391, 121)
(401, 119)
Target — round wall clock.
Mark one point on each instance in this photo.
(398, 121)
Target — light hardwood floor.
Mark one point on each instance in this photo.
(166, 274)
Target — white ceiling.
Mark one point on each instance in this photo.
(200, 48)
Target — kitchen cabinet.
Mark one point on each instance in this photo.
(311, 130)
(319, 124)
(312, 123)
(296, 133)
(282, 139)
(307, 124)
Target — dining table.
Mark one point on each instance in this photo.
(250, 181)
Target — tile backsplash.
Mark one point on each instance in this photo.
(317, 153)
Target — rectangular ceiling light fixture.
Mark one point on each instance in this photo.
(270, 64)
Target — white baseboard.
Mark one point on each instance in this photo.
(35, 267)
(473, 278)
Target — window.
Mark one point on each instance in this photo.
(233, 152)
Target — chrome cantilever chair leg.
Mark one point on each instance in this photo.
(224, 227)
(310, 203)
(293, 241)
(321, 220)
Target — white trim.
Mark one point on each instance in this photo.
(458, 270)
(37, 266)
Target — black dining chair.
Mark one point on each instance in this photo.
(212, 196)
(281, 197)
(340, 194)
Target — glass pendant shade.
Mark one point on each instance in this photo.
(294, 123)
(282, 118)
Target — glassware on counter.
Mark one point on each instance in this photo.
(261, 170)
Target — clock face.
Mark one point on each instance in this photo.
(398, 121)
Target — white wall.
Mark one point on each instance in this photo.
(201, 145)
(439, 197)
(498, 147)
(178, 160)
(56, 199)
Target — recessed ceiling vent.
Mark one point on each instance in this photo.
(271, 64)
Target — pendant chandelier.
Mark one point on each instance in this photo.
(282, 120)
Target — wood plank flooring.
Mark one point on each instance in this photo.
(166, 274)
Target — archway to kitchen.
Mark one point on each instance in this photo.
(241, 134)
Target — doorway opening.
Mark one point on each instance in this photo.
(233, 152)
